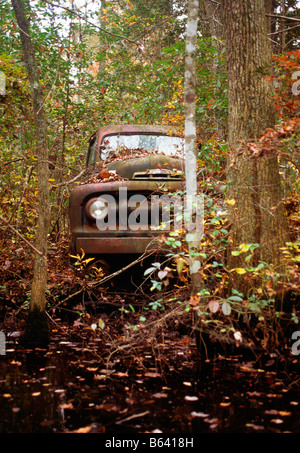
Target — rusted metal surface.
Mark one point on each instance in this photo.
(127, 168)
(115, 245)
(85, 191)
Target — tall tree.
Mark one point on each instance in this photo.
(193, 237)
(37, 332)
(257, 211)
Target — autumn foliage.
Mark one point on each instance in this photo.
(287, 89)
(132, 71)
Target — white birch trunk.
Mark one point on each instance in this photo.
(194, 235)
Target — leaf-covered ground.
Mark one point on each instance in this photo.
(112, 368)
(89, 381)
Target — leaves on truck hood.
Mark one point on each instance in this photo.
(104, 175)
(122, 164)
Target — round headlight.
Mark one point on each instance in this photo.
(98, 209)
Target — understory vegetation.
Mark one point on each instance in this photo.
(129, 69)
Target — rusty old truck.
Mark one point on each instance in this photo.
(118, 210)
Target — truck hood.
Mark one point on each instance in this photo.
(156, 166)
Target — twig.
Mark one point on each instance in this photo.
(104, 279)
(71, 180)
(279, 16)
(284, 31)
(142, 414)
(57, 325)
(91, 23)
(110, 276)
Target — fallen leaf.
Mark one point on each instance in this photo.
(191, 398)
(16, 409)
(194, 300)
(225, 404)
(237, 336)
(121, 374)
(256, 427)
(278, 421)
(160, 395)
(230, 202)
(154, 375)
(199, 414)
(84, 429)
(285, 413)
(66, 406)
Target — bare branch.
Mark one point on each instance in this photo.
(90, 23)
(2, 219)
(279, 16)
(71, 180)
(283, 31)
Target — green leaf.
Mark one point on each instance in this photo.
(234, 291)
(240, 270)
(149, 270)
(235, 299)
(226, 309)
(244, 248)
(101, 323)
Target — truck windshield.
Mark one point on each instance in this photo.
(169, 145)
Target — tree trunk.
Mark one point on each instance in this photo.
(37, 327)
(193, 236)
(258, 215)
(213, 17)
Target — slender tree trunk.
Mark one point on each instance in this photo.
(37, 326)
(282, 26)
(213, 17)
(258, 215)
(193, 237)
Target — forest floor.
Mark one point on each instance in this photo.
(107, 370)
(116, 382)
